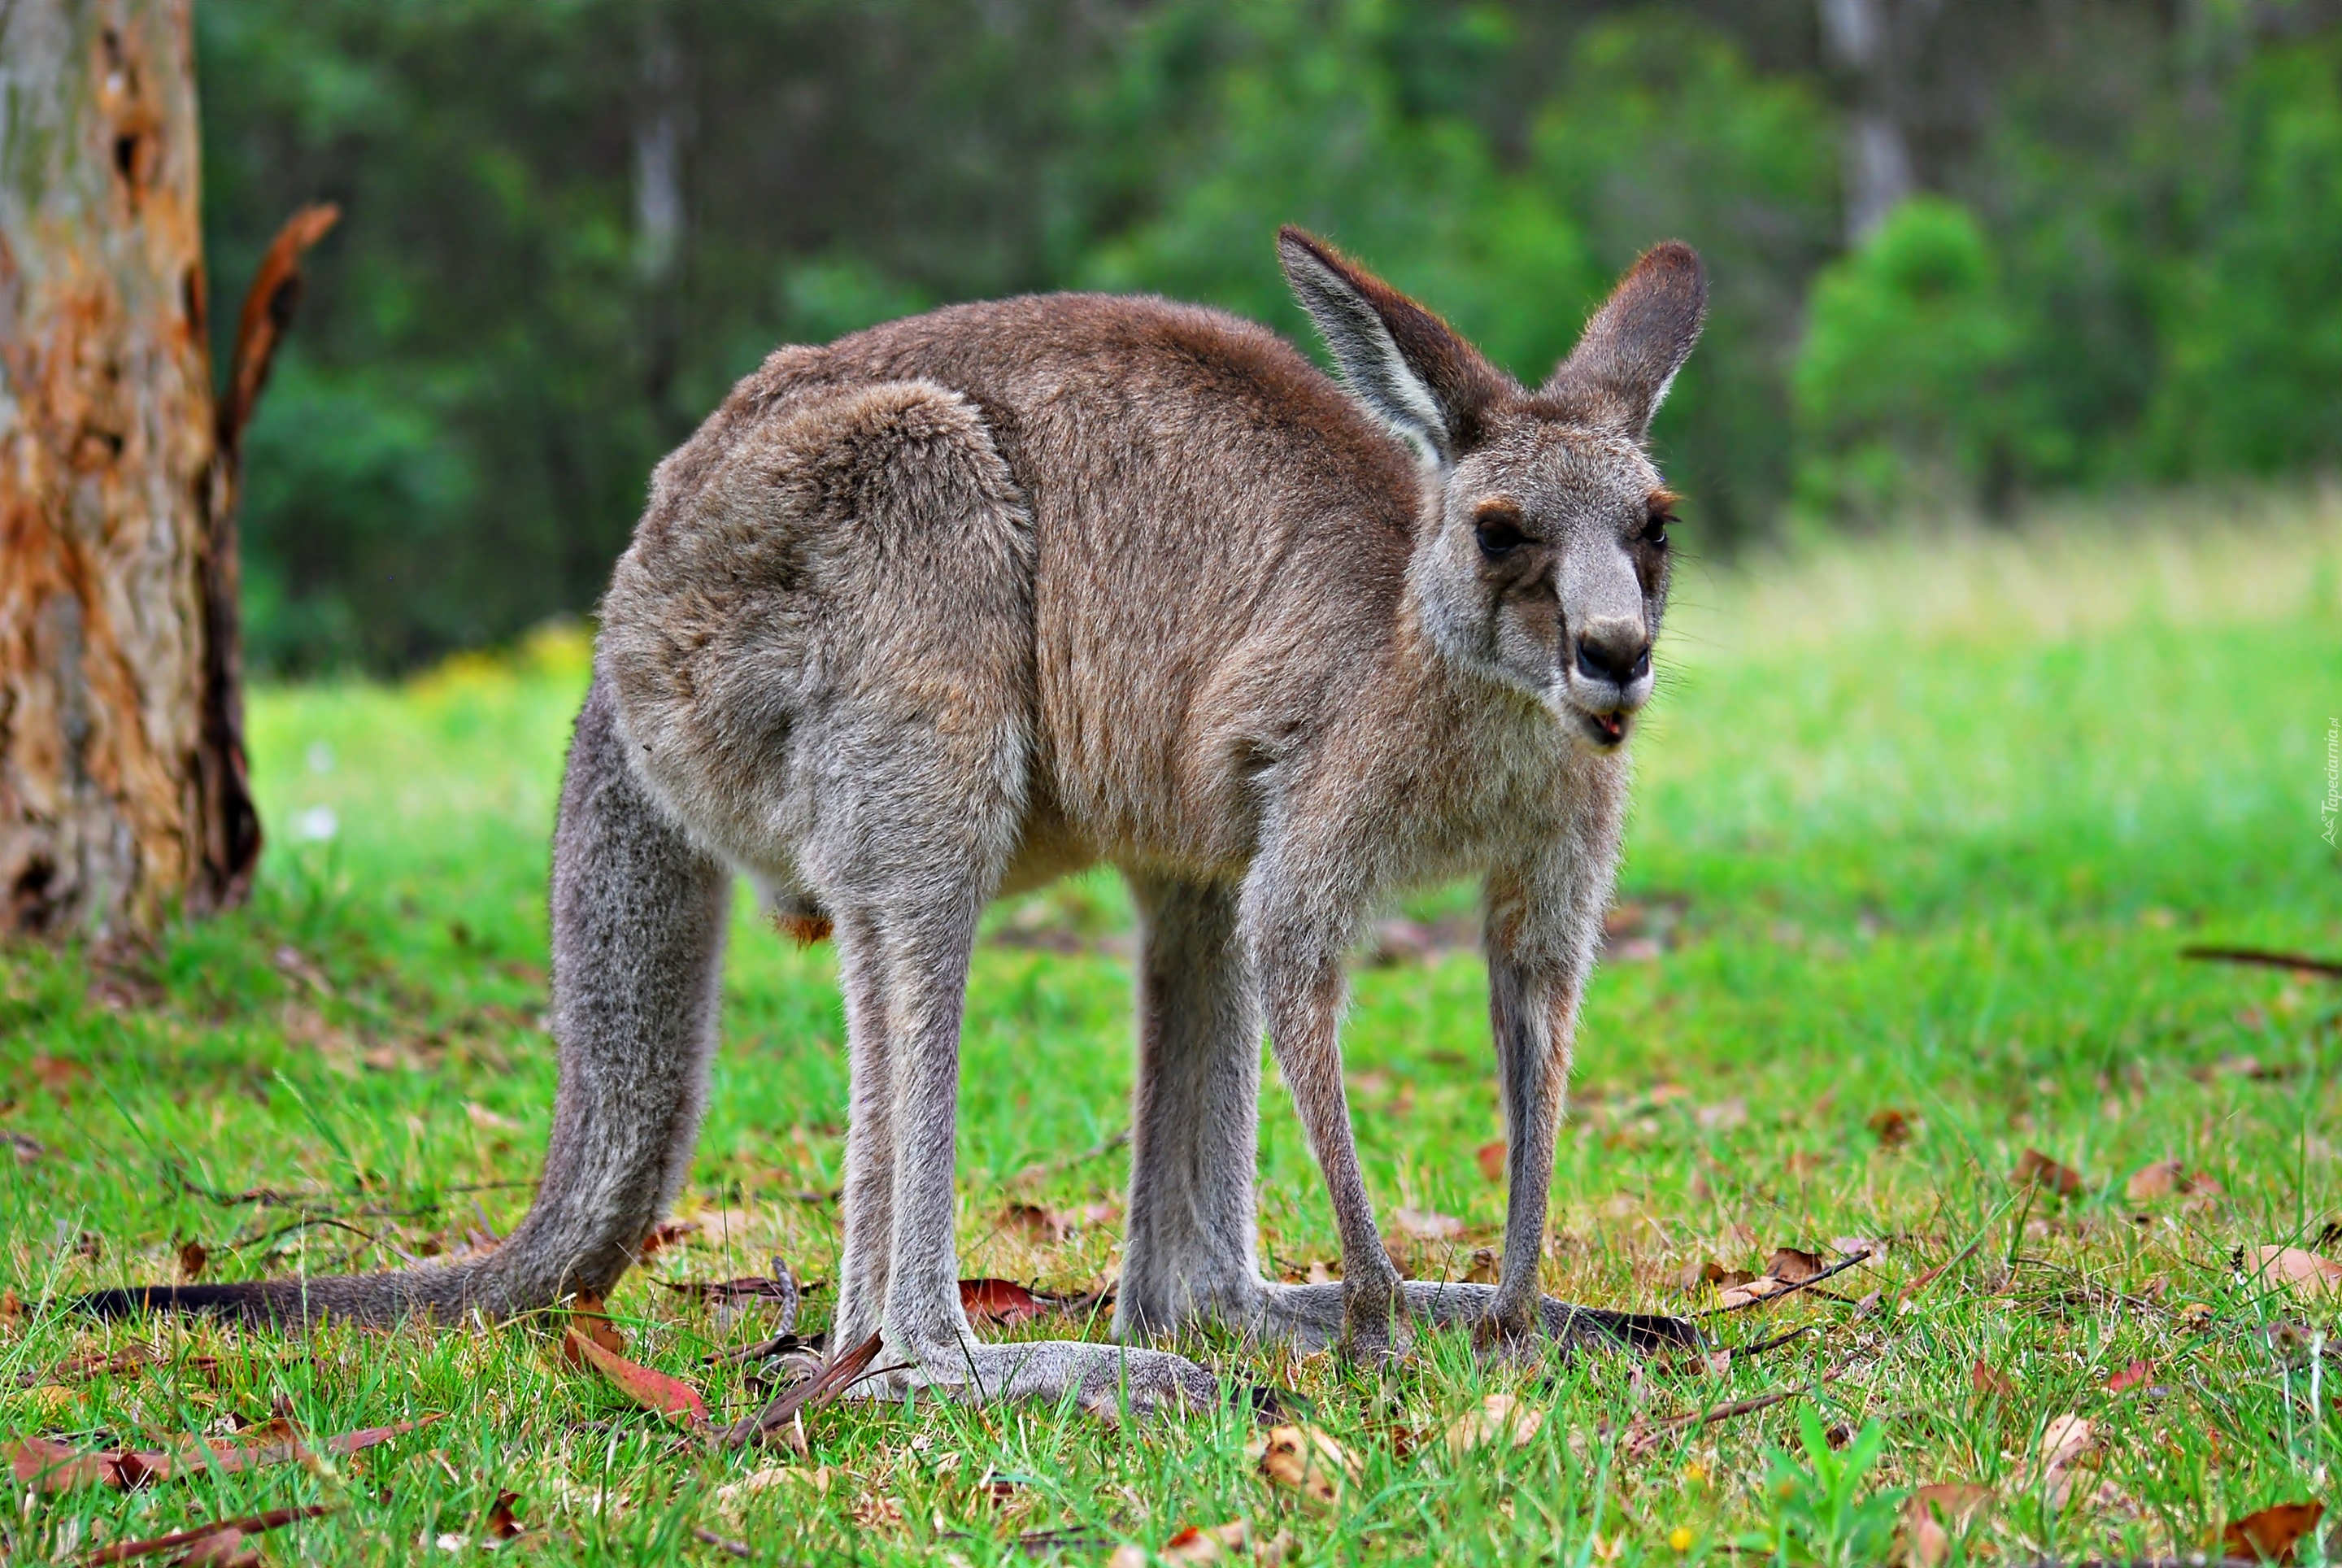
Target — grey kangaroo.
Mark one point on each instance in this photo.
(957, 604)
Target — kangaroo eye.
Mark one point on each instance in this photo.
(1500, 529)
(1655, 532)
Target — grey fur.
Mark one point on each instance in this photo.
(956, 604)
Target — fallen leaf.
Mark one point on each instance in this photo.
(1990, 1381)
(1751, 1290)
(1491, 1157)
(2304, 1271)
(27, 1147)
(50, 1466)
(1789, 1265)
(488, 1121)
(1306, 1460)
(2034, 1169)
(2066, 1443)
(1699, 1271)
(254, 1524)
(2130, 1377)
(1053, 1225)
(1501, 1420)
(2271, 1534)
(1001, 1301)
(2159, 1180)
(1932, 1513)
(588, 1322)
(665, 1234)
(192, 1258)
(1196, 1543)
(669, 1396)
(1804, 1162)
(1891, 1127)
(500, 1524)
(1724, 1116)
(1427, 1225)
(730, 1496)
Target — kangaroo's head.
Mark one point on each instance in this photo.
(1542, 561)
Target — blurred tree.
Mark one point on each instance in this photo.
(1901, 386)
(575, 224)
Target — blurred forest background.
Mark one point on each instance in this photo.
(1963, 255)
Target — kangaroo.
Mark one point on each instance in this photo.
(959, 604)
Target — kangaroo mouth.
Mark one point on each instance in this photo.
(1605, 730)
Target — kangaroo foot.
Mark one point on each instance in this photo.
(1313, 1316)
(1101, 1378)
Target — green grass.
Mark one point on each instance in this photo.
(1931, 821)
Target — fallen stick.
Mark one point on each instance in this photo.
(2263, 958)
(1794, 1286)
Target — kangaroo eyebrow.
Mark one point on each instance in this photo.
(1661, 502)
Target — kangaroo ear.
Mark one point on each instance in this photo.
(1408, 367)
(1631, 350)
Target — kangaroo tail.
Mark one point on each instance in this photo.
(638, 921)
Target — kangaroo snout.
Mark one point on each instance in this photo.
(1613, 649)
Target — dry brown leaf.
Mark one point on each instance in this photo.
(1699, 1271)
(588, 1322)
(730, 1496)
(1804, 1162)
(1891, 1127)
(669, 1396)
(2160, 1180)
(1425, 1224)
(47, 1465)
(1751, 1288)
(1304, 1459)
(192, 1259)
(2065, 1444)
(1491, 1159)
(1991, 1381)
(2034, 1169)
(2271, 1534)
(1501, 1420)
(1003, 1302)
(1932, 1513)
(1789, 1265)
(2303, 1271)
(1196, 1543)
(500, 1524)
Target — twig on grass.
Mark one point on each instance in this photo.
(1794, 1286)
(409, 1259)
(253, 1524)
(724, 1544)
(1642, 1434)
(2263, 958)
(841, 1374)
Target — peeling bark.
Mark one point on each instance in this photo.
(122, 789)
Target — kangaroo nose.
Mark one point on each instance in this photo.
(1614, 650)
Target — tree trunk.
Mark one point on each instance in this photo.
(121, 790)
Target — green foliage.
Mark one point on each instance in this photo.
(2254, 317)
(1820, 1514)
(2134, 221)
(1899, 385)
